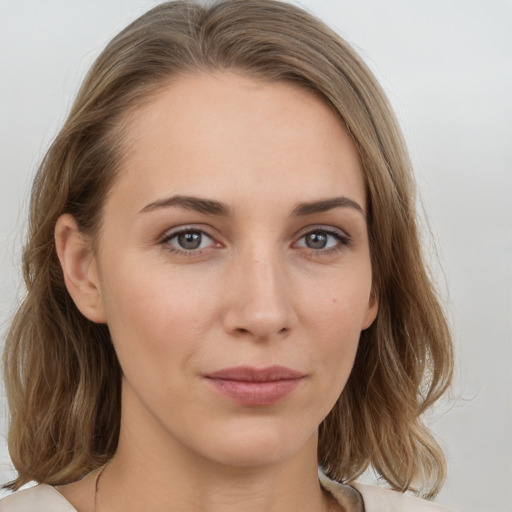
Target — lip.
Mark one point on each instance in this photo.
(251, 386)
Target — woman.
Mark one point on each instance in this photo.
(225, 284)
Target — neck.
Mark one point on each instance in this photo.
(153, 471)
(172, 483)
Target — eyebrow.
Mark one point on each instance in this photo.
(196, 204)
(326, 205)
(211, 207)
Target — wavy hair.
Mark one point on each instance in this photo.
(62, 376)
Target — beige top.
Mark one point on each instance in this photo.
(45, 498)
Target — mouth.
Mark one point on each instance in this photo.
(250, 386)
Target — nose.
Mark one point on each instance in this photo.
(259, 298)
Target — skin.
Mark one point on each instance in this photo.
(257, 292)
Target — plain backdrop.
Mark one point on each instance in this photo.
(446, 66)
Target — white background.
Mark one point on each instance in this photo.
(447, 67)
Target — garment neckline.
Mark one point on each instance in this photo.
(345, 495)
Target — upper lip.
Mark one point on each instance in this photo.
(251, 374)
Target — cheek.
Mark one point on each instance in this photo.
(340, 302)
(159, 318)
(334, 317)
(151, 316)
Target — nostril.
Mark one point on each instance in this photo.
(243, 331)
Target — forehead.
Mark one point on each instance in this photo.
(222, 133)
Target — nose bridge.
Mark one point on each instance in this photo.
(262, 302)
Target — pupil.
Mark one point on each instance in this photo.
(189, 240)
(316, 240)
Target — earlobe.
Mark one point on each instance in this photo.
(79, 267)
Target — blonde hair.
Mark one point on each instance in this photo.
(62, 376)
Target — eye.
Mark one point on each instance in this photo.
(322, 239)
(188, 240)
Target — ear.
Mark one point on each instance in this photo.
(79, 268)
(373, 308)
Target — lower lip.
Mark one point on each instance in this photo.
(255, 393)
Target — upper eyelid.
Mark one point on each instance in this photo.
(172, 232)
(323, 227)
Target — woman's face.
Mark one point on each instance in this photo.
(233, 268)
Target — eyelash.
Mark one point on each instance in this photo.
(165, 241)
(342, 239)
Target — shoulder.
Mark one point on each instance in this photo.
(378, 499)
(360, 497)
(41, 498)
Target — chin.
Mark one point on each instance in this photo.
(259, 446)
